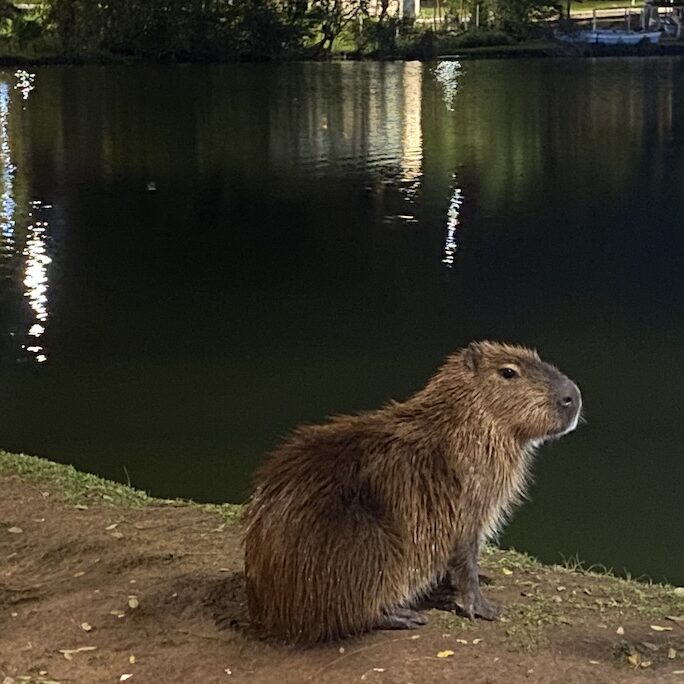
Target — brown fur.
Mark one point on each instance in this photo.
(356, 518)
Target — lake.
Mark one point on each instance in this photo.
(194, 259)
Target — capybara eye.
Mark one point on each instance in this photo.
(508, 373)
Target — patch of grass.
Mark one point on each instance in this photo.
(640, 595)
(528, 620)
(76, 487)
(450, 621)
(73, 485)
(498, 559)
(229, 513)
(650, 600)
(585, 5)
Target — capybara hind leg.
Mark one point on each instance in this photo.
(401, 618)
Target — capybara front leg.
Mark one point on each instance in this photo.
(464, 576)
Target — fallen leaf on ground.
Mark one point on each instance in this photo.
(679, 591)
(133, 602)
(659, 628)
(506, 571)
(477, 641)
(633, 659)
(671, 653)
(69, 653)
(620, 631)
(124, 677)
(445, 654)
(650, 646)
(676, 618)
(86, 626)
(15, 530)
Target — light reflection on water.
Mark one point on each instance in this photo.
(7, 204)
(25, 82)
(376, 117)
(36, 278)
(447, 74)
(453, 212)
(412, 132)
(33, 256)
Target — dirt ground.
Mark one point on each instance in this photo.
(95, 592)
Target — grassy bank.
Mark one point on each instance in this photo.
(597, 591)
(81, 489)
(103, 583)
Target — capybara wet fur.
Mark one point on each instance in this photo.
(352, 522)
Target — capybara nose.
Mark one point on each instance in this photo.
(569, 397)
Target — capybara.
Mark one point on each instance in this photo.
(353, 521)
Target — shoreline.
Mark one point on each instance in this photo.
(531, 49)
(102, 582)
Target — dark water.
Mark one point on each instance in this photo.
(319, 238)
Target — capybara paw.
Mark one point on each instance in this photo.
(401, 618)
(487, 610)
(475, 605)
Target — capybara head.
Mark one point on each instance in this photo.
(517, 391)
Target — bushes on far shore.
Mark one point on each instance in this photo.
(234, 30)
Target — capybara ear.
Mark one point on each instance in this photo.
(472, 355)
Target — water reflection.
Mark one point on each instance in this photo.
(447, 74)
(25, 82)
(24, 231)
(7, 203)
(351, 113)
(451, 244)
(412, 130)
(36, 278)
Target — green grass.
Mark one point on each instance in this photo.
(603, 4)
(76, 487)
(73, 485)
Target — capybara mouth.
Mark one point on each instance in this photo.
(569, 425)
